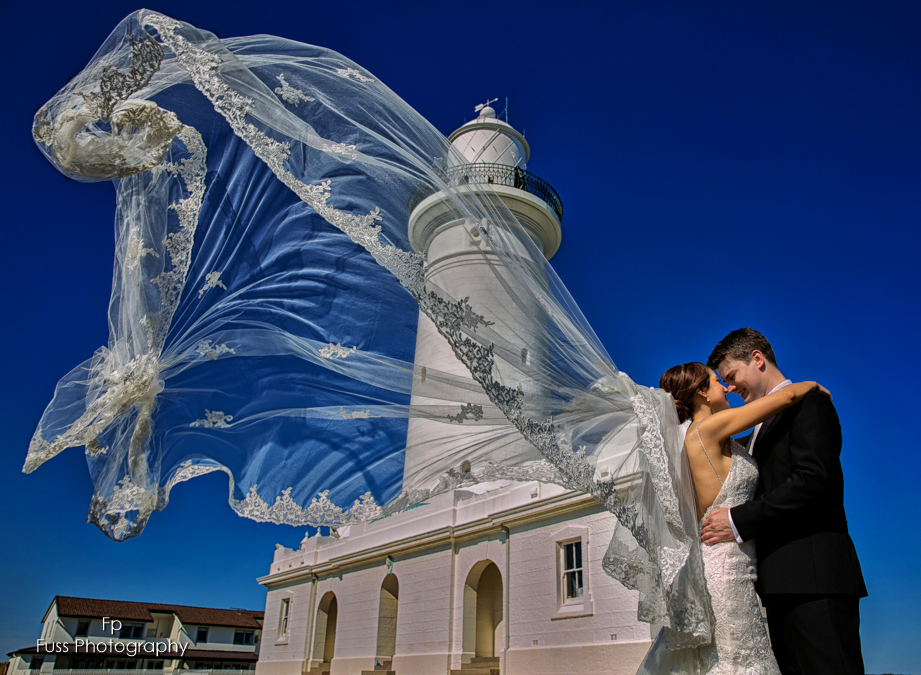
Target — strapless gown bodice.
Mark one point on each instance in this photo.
(740, 644)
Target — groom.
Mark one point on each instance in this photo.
(809, 577)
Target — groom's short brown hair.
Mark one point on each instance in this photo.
(739, 345)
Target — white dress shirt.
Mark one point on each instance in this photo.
(751, 449)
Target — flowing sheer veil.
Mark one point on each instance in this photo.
(266, 299)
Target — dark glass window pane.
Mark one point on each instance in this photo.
(577, 546)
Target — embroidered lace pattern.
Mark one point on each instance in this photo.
(290, 94)
(140, 133)
(179, 244)
(352, 74)
(654, 448)
(340, 149)
(113, 514)
(740, 642)
(212, 280)
(469, 409)
(137, 250)
(94, 448)
(210, 353)
(116, 86)
(336, 351)
(122, 386)
(213, 420)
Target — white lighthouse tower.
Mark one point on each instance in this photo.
(495, 157)
(500, 578)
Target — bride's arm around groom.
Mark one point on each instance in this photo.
(809, 577)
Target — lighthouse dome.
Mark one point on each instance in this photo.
(490, 140)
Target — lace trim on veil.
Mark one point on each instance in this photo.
(655, 559)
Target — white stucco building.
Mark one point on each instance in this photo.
(109, 637)
(502, 577)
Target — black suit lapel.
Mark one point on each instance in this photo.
(765, 428)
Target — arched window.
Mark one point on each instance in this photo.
(483, 627)
(387, 619)
(325, 638)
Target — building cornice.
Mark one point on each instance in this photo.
(513, 517)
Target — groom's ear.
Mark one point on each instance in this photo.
(758, 360)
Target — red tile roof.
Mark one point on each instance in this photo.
(140, 611)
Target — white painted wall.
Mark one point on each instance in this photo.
(432, 575)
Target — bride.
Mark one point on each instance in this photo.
(725, 475)
(265, 303)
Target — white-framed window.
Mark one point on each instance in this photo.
(36, 662)
(572, 580)
(83, 628)
(573, 585)
(283, 616)
(202, 634)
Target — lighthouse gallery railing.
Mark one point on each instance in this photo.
(481, 173)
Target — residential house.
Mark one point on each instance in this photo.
(80, 634)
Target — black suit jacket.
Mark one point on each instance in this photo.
(797, 516)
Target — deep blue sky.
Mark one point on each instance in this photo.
(720, 165)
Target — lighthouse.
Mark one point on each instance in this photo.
(491, 162)
(500, 577)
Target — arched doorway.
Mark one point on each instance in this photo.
(325, 640)
(483, 627)
(387, 618)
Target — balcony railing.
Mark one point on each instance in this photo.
(481, 173)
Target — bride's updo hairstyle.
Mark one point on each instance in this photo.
(683, 382)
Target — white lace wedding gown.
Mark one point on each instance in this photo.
(740, 643)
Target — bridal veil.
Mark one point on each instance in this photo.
(266, 299)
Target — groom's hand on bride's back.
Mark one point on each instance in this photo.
(717, 529)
